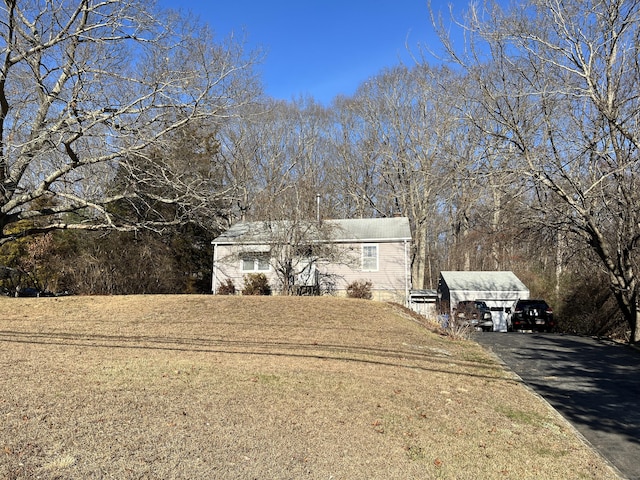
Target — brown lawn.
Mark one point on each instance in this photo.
(204, 387)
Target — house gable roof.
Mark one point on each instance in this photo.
(372, 229)
(501, 281)
(392, 229)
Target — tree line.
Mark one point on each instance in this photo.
(129, 138)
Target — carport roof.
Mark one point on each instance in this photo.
(495, 281)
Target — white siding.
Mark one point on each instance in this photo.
(228, 265)
(389, 276)
(389, 281)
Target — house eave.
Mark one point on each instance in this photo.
(371, 240)
(340, 240)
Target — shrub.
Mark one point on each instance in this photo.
(227, 288)
(256, 284)
(458, 330)
(359, 289)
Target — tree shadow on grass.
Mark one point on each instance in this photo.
(593, 383)
(425, 360)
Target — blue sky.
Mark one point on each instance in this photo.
(321, 48)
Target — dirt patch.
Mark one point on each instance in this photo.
(262, 387)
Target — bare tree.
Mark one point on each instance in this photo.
(299, 249)
(399, 141)
(275, 158)
(87, 88)
(559, 80)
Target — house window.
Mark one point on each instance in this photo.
(369, 257)
(255, 263)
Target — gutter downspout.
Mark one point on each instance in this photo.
(214, 276)
(406, 275)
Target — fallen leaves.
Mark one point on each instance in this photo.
(377, 426)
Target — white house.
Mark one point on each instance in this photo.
(500, 291)
(370, 249)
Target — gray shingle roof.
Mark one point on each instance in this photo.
(343, 230)
(373, 229)
(503, 281)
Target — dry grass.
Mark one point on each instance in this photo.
(164, 387)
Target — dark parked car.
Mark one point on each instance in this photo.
(535, 315)
(32, 292)
(474, 313)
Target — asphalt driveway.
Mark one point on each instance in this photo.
(593, 383)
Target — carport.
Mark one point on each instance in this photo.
(499, 289)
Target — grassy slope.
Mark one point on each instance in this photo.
(262, 387)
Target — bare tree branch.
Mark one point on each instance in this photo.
(86, 88)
